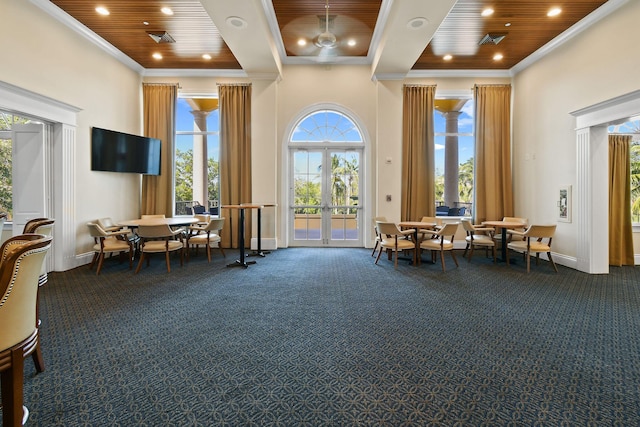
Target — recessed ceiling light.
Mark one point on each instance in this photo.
(351, 42)
(497, 57)
(302, 42)
(487, 12)
(447, 57)
(417, 23)
(166, 11)
(554, 12)
(102, 10)
(236, 22)
(206, 56)
(508, 24)
(157, 56)
(145, 23)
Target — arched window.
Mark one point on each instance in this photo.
(326, 148)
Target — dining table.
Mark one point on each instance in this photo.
(171, 222)
(503, 226)
(416, 226)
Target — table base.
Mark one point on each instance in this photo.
(239, 263)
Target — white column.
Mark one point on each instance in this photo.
(200, 157)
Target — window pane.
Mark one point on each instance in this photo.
(197, 154)
(454, 146)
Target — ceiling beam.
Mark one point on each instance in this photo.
(244, 28)
(409, 27)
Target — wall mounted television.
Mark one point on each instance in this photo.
(113, 151)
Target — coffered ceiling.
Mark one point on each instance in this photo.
(395, 37)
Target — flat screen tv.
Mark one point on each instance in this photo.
(113, 151)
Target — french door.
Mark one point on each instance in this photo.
(325, 209)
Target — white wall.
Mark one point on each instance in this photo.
(597, 65)
(43, 56)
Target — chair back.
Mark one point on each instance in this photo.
(524, 221)
(436, 220)
(96, 231)
(107, 224)
(449, 229)
(540, 231)
(39, 226)
(388, 228)
(155, 231)
(22, 259)
(203, 218)
(468, 227)
(215, 224)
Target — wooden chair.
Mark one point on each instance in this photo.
(108, 242)
(108, 225)
(22, 259)
(159, 238)
(207, 237)
(534, 243)
(393, 240)
(440, 243)
(375, 230)
(475, 237)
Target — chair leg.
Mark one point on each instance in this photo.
(528, 255)
(93, 260)
(166, 257)
(552, 262)
(378, 257)
(373, 253)
(100, 261)
(453, 255)
(470, 253)
(12, 380)
(464, 254)
(139, 263)
(442, 260)
(209, 251)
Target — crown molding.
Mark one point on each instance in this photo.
(85, 32)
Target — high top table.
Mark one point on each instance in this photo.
(241, 208)
(259, 251)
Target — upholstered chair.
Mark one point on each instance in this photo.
(441, 243)
(109, 242)
(22, 259)
(537, 239)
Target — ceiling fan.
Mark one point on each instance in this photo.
(326, 39)
(325, 35)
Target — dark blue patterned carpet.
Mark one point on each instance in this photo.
(323, 337)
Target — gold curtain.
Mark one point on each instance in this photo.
(235, 158)
(620, 230)
(159, 110)
(493, 182)
(418, 153)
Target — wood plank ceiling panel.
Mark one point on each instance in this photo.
(190, 26)
(524, 23)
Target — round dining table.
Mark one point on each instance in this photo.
(171, 222)
(416, 226)
(503, 226)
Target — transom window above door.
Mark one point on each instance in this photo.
(326, 126)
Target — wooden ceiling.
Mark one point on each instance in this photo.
(458, 35)
(524, 23)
